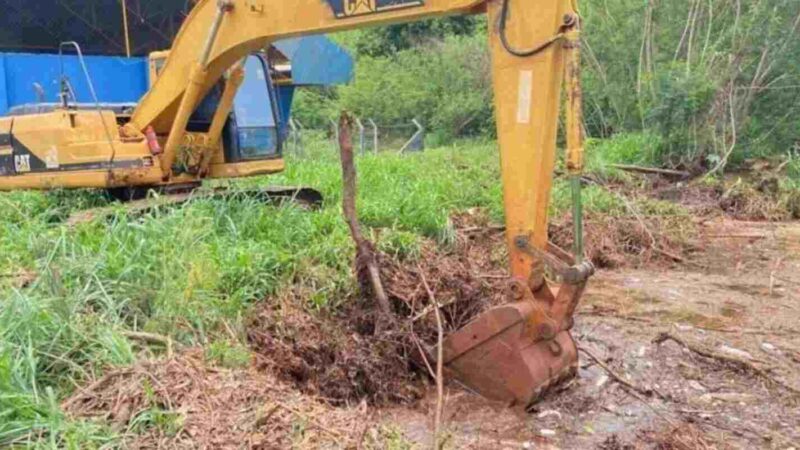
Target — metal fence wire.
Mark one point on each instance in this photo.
(369, 136)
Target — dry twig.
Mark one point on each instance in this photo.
(652, 170)
(94, 387)
(618, 378)
(437, 424)
(338, 436)
(430, 308)
(150, 338)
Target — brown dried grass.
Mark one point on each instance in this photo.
(613, 242)
(214, 408)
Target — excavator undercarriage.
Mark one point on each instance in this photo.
(513, 353)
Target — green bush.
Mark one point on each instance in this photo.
(444, 84)
(715, 86)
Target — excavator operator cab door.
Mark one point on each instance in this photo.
(252, 131)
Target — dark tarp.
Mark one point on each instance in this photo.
(97, 25)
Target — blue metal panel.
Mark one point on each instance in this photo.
(317, 61)
(284, 96)
(3, 90)
(116, 79)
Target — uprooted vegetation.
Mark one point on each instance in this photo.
(339, 355)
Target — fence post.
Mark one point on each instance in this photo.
(374, 136)
(335, 131)
(415, 138)
(295, 126)
(360, 135)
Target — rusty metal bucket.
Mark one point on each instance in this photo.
(495, 356)
(516, 353)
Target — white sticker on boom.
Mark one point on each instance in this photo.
(51, 158)
(525, 96)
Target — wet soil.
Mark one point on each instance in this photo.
(739, 296)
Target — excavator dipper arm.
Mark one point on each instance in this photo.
(514, 352)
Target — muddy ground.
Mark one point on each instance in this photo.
(732, 296)
(739, 296)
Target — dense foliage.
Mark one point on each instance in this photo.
(713, 81)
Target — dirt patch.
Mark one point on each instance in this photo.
(466, 278)
(337, 357)
(684, 436)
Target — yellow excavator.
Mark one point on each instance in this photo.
(512, 353)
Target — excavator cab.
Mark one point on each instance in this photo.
(253, 130)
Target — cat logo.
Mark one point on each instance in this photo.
(351, 8)
(22, 163)
(358, 7)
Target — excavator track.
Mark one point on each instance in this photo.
(142, 201)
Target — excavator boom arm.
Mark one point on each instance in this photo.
(527, 87)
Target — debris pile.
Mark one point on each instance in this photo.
(340, 356)
(336, 357)
(613, 242)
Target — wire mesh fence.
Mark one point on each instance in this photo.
(369, 136)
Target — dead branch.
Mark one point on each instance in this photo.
(150, 338)
(672, 256)
(741, 364)
(486, 229)
(423, 353)
(338, 436)
(365, 254)
(615, 315)
(750, 331)
(94, 387)
(618, 378)
(652, 170)
(431, 308)
(782, 166)
(724, 161)
(437, 424)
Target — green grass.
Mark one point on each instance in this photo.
(195, 272)
(623, 148)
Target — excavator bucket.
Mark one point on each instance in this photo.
(518, 352)
(495, 356)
